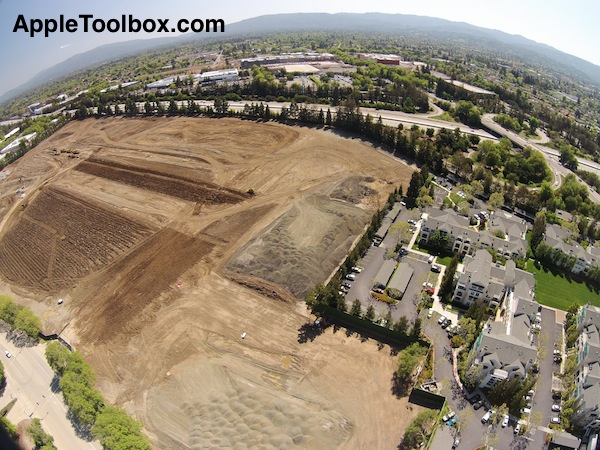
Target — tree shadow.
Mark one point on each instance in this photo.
(399, 386)
(82, 431)
(309, 331)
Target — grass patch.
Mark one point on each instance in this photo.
(443, 260)
(559, 290)
(445, 117)
(456, 198)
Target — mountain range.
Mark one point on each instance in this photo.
(397, 24)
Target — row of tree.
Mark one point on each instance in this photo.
(19, 317)
(112, 426)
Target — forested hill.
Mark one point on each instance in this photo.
(427, 28)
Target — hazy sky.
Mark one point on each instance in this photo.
(571, 26)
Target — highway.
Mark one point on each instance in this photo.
(29, 379)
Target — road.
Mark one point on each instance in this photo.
(29, 380)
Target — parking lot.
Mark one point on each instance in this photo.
(371, 263)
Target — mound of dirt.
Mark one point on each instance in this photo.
(304, 245)
(354, 189)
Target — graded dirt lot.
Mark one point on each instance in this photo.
(147, 230)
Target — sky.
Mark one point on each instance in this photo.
(570, 26)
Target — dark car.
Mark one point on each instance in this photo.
(446, 323)
(435, 268)
(474, 399)
(478, 405)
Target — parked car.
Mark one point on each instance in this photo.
(378, 290)
(351, 277)
(555, 420)
(525, 410)
(357, 269)
(474, 399)
(446, 323)
(478, 405)
(556, 408)
(428, 285)
(456, 443)
(448, 416)
(441, 319)
(411, 222)
(346, 284)
(430, 259)
(435, 268)
(556, 395)
(7, 353)
(518, 428)
(505, 421)
(531, 392)
(430, 313)
(486, 417)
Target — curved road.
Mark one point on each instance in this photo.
(29, 379)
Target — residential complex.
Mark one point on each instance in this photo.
(587, 377)
(466, 239)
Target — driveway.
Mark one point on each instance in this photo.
(28, 379)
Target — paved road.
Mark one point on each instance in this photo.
(29, 380)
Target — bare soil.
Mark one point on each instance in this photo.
(146, 230)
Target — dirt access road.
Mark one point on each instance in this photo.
(146, 230)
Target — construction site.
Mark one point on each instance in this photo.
(171, 238)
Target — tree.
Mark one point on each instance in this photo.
(402, 325)
(27, 321)
(400, 231)
(41, 439)
(370, 314)
(413, 189)
(438, 242)
(57, 356)
(389, 321)
(533, 125)
(356, 309)
(539, 228)
(416, 328)
(496, 200)
(409, 359)
(447, 285)
(116, 430)
(568, 158)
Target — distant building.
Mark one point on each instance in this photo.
(285, 58)
(560, 240)
(218, 75)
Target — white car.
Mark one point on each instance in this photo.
(555, 420)
(556, 408)
(505, 421)
(525, 411)
(357, 269)
(441, 319)
(351, 277)
(430, 313)
(487, 416)
(7, 353)
(518, 428)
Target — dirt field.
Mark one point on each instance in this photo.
(146, 229)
